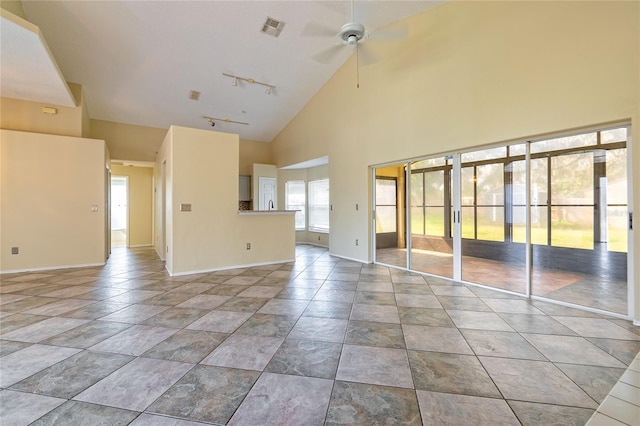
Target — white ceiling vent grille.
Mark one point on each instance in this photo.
(194, 95)
(273, 27)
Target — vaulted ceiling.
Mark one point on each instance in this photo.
(137, 61)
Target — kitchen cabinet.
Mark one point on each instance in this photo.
(245, 188)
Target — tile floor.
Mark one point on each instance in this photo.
(577, 288)
(319, 341)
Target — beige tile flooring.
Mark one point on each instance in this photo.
(564, 286)
(321, 340)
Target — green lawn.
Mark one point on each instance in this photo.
(563, 235)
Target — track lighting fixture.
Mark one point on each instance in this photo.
(212, 121)
(234, 82)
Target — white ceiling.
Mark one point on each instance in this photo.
(138, 60)
(29, 71)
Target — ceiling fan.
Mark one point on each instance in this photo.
(352, 34)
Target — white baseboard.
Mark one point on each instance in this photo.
(299, 243)
(52, 268)
(350, 258)
(226, 268)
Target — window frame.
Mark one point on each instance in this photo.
(311, 203)
(289, 206)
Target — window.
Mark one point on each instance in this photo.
(386, 205)
(319, 205)
(294, 199)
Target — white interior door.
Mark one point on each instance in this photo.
(267, 193)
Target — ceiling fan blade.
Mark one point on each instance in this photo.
(315, 29)
(366, 55)
(395, 32)
(338, 7)
(327, 55)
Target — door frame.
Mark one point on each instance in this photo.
(126, 184)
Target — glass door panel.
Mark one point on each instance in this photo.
(390, 216)
(579, 256)
(493, 205)
(431, 238)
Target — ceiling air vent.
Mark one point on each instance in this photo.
(272, 27)
(194, 95)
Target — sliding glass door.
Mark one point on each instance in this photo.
(491, 183)
(579, 251)
(430, 211)
(390, 216)
(546, 218)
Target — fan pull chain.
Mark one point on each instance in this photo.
(357, 67)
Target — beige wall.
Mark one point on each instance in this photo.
(253, 152)
(13, 6)
(470, 74)
(140, 203)
(127, 141)
(27, 116)
(48, 186)
(202, 170)
(163, 198)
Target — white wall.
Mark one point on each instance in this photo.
(48, 186)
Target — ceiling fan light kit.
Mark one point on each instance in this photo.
(351, 33)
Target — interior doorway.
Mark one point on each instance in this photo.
(119, 211)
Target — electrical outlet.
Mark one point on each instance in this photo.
(248, 246)
(357, 241)
(15, 250)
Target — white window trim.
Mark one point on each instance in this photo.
(304, 208)
(310, 227)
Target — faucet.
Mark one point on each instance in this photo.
(271, 205)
